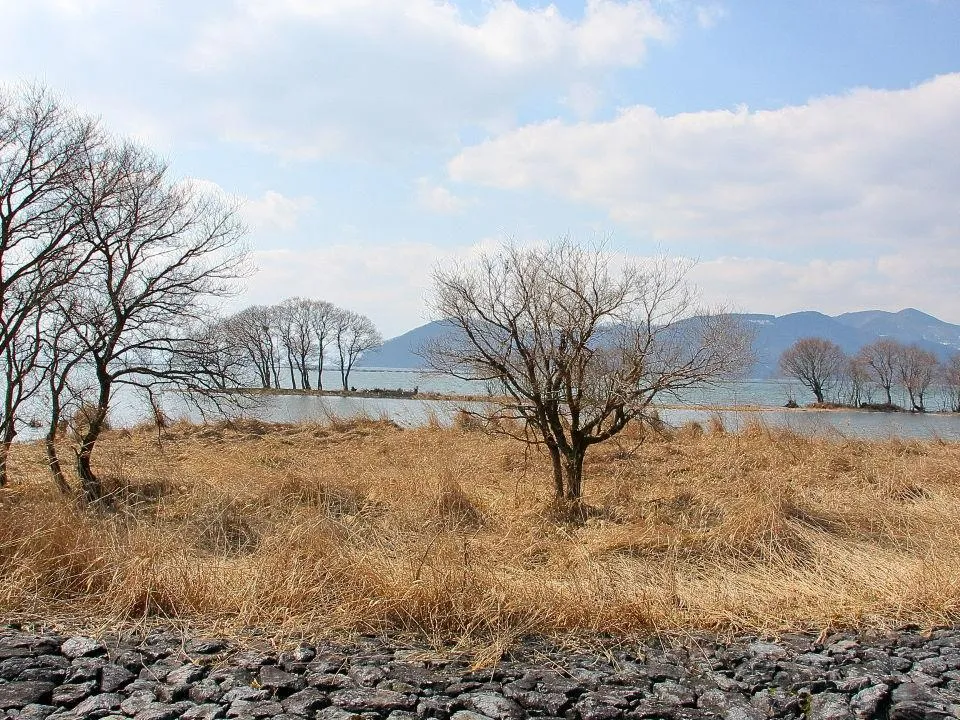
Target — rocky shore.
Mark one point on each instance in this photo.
(905, 675)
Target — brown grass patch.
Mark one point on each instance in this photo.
(447, 533)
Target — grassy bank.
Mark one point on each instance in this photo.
(445, 533)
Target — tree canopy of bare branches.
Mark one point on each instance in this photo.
(917, 369)
(40, 146)
(353, 334)
(881, 360)
(950, 380)
(817, 363)
(578, 345)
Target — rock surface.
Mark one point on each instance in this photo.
(899, 676)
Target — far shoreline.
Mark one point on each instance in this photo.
(400, 394)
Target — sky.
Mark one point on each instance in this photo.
(805, 154)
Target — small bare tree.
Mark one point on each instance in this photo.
(816, 362)
(354, 334)
(950, 380)
(578, 345)
(253, 332)
(917, 369)
(322, 320)
(857, 378)
(881, 360)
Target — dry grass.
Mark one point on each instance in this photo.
(445, 533)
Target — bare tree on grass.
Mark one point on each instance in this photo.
(950, 379)
(39, 147)
(817, 363)
(252, 331)
(579, 346)
(917, 369)
(857, 378)
(354, 334)
(323, 322)
(881, 360)
(160, 252)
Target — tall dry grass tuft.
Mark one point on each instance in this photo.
(445, 533)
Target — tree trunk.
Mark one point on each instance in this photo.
(573, 470)
(818, 393)
(557, 471)
(53, 461)
(889, 396)
(320, 373)
(90, 484)
(5, 443)
(293, 378)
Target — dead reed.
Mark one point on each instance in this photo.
(445, 533)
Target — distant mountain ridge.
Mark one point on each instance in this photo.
(774, 334)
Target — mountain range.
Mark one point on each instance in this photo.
(774, 334)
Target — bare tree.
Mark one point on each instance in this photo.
(253, 331)
(881, 359)
(917, 369)
(856, 379)
(323, 322)
(297, 334)
(816, 362)
(160, 252)
(354, 334)
(950, 380)
(40, 143)
(578, 346)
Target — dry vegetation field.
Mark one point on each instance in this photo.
(445, 534)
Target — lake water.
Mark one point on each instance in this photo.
(739, 403)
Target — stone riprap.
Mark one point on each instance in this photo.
(904, 675)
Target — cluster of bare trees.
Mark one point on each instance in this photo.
(109, 271)
(880, 367)
(297, 336)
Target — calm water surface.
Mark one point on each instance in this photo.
(768, 395)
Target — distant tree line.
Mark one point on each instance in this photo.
(869, 377)
(296, 337)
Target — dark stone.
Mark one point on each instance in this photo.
(438, 707)
(97, 705)
(305, 701)
(20, 694)
(137, 701)
(157, 711)
(272, 677)
(206, 691)
(205, 711)
(245, 693)
(367, 675)
(254, 708)
(829, 706)
(84, 669)
(114, 677)
(70, 694)
(866, 703)
(367, 699)
(185, 674)
(81, 646)
(204, 647)
(329, 681)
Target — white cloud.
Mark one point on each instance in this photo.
(438, 199)
(367, 77)
(388, 282)
(873, 168)
(273, 212)
(709, 15)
